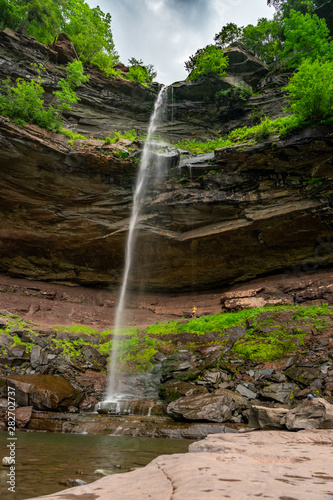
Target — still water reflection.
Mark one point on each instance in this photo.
(45, 459)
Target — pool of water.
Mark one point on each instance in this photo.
(45, 460)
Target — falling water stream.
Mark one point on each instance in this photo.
(114, 394)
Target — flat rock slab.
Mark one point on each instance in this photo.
(273, 464)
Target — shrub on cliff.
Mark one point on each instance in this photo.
(23, 101)
(310, 91)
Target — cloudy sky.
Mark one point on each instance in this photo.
(166, 33)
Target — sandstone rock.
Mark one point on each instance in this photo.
(216, 407)
(88, 404)
(3, 323)
(23, 416)
(237, 466)
(17, 350)
(65, 49)
(314, 414)
(249, 391)
(38, 356)
(278, 392)
(261, 417)
(6, 341)
(43, 392)
(304, 375)
(172, 390)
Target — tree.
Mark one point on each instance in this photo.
(310, 91)
(139, 72)
(264, 39)
(229, 33)
(89, 29)
(303, 6)
(306, 37)
(209, 61)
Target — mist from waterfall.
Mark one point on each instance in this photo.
(114, 393)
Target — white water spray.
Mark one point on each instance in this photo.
(113, 392)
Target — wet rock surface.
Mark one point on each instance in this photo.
(273, 464)
(192, 377)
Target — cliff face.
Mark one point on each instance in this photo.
(243, 212)
(216, 219)
(108, 104)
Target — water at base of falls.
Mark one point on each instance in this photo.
(126, 406)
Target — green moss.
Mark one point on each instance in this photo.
(72, 135)
(77, 329)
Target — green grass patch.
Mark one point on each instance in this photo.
(77, 329)
(71, 135)
(130, 135)
(282, 126)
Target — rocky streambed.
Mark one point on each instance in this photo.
(198, 382)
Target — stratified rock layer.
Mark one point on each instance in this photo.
(64, 212)
(274, 465)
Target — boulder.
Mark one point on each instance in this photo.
(6, 341)
(23, 416)
(44, 392)
(38, 357)
(3, 323)
(249, 391)
(17, 350)
(93, 355)
(216, 407)
(278, 392)
(314, 414)
(65, 49)
(304, 375)
(261, 417)
(172, 390)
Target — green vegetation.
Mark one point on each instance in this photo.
(239, 93)
(206, 62)
(88, 28)
(270, 334)
(306, 38)
(281, 126)
(23, 101)
(71, 135)
(130, 135)
(310, 92)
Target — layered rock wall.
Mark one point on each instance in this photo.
(249, 211)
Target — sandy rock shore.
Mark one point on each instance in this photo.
(272, 464)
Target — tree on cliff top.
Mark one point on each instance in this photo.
(206, 62)
(303, 6)
(230, 33)
(306, 37)
(89, 28)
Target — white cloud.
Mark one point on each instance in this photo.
(166, 33)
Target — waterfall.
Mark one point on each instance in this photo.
(113, 391)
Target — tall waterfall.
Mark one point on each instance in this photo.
(113, 392)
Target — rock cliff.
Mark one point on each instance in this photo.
(242, 212)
